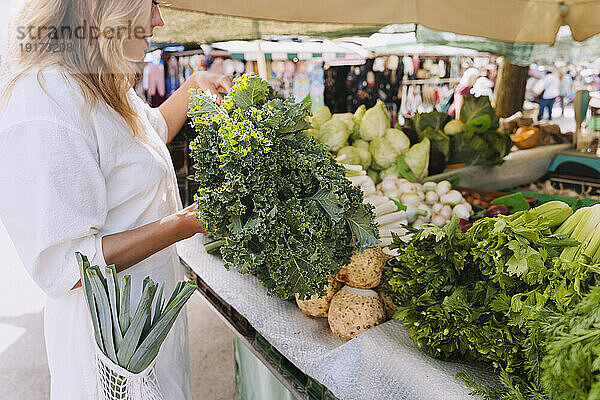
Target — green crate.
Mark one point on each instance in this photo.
(544, 198)
(255, 381)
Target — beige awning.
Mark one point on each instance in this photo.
(525, 21)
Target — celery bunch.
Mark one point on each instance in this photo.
(131, 343)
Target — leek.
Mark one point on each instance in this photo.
(132, 343)
(113, 296)
(124, 297)
(89, 297)
(133, 334)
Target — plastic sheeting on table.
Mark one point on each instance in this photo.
(519, 168)
(382, 363)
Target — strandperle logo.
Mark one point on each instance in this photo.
(86, 31)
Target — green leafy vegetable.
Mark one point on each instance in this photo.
(275, 201)
(481, 143)
(320, 116)
(515, 202)
(375, 122)
(133, 344)
(439, 140)
(334, 133)
(433, 119)
(417, 158)
(478, 115)
(468, 296)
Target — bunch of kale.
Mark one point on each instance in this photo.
(277, 203)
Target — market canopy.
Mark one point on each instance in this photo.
(521, 21)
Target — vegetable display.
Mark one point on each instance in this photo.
(277, 203)
(130, 342)
(366, 139)
(468, 296)
(473, 139)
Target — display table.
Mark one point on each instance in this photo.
(519, 168)
(382, 363)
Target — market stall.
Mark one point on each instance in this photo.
(411, 356)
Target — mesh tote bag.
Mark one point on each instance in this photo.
(116, 383)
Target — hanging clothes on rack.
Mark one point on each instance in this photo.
(172, 80)
(154, 82)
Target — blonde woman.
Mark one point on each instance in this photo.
(84, 167)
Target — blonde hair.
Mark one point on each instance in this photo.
(92, 51)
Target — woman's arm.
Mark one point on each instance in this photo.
(128, 248)
(174, 109)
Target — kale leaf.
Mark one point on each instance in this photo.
(277, 200)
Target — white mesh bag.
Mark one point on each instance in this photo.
(116, 383)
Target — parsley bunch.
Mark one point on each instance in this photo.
(277, 203)
(469, 296)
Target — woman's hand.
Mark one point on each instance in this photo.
(215, 83)
(189, 222)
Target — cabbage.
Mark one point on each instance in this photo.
(360, 113)
(393, 170)
(417, 158)
(334, 133)
(347, 118)
(383, 155)
(312, 132)
(365, 157)
(374, 175)
(375, 122)
(320, 116)
(361, 144)
(349, 155)
(398, 140)
(355, 156)
(454, 127)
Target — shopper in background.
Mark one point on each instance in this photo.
(463, 89)
(549, 95)
(566, 85)
(84, 167)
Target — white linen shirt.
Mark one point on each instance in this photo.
(70, 175)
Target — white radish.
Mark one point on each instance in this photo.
(385, 242)
(421, 195)
(376, 200)
(419, 222)
(360, 180)
(387, 185)
(431, 197)
(357, 168)
(410, 199)
(388, 232)
(453, 198)
(393, 194)
(389, 218)
(437, 208)
(429, 186)
(438, 220)
(394, 225)
(413, 213)
(446, 212)
(461, 211)
(386, 208)
(393, 253)
(443, 187)
(406, 187)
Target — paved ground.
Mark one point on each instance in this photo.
(23, 369)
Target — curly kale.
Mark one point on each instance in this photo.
(277, 202)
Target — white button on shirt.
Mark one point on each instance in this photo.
(70, 175)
